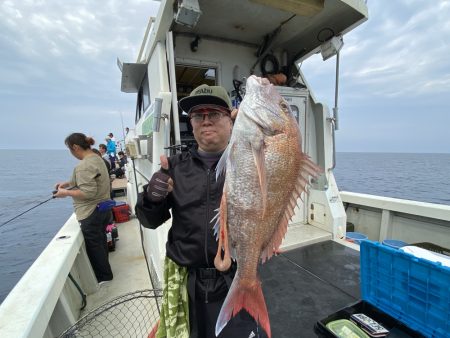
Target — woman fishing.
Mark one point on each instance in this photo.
(89, 187)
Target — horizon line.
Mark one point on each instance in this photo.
(343, 151)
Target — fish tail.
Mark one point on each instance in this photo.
(247, 295)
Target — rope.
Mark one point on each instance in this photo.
(83, 295)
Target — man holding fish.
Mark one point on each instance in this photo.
(266, 173)
(187, 185)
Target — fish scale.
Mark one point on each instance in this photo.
(266, 172)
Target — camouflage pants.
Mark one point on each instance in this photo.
(174, 319)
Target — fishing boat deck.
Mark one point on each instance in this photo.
(301, 285)
(304, 285)
(128, 265)
(311, 278)
(300, 234)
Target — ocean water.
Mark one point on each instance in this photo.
(419, 177)
(28, 177)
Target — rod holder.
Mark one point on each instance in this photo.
(157, 115)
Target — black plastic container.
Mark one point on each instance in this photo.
(396, 328)
(407, 295)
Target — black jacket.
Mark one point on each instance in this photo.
(195, 197)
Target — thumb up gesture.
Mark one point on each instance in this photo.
(160, 184)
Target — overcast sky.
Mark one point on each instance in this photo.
(58, 73)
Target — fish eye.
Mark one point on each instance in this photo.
(284, 106)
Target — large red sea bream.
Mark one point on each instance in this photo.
(266, 172)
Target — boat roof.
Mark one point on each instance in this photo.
(304, 24)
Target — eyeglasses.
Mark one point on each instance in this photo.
(214, 113)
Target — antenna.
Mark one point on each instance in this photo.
(123, 131)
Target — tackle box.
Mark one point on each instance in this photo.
(409, 296)
(121, 212)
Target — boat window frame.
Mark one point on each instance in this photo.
(141, 103)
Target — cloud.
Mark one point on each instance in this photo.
(399, 53)
(59, 67)
(59, 72)
(394, 79)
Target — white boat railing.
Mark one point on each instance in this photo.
(411, 221)
(424, 209)
(44, 302)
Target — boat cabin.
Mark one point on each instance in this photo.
(193, 42)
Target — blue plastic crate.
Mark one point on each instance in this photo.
(413, 290)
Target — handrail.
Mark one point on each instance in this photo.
(430, 210)
(151, 20)
(27, 310)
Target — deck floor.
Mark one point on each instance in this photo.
(128, 265)
(307, 284)
(301, 286)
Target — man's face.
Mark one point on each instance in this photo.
(102, 150)
(211, 127)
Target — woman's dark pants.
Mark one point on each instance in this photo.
(93, 229)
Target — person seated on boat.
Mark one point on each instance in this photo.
(107, 164)
(103, 150)
(187, 185)
(123, 159)
(120, 172)
(89, 187)
(108, 167)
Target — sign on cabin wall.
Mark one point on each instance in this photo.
(147, 125)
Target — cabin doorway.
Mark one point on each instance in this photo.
(189, 77)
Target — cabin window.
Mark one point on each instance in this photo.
(145, 92)
(143, 98)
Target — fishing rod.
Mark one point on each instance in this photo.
(49, 199)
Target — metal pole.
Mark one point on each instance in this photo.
(336, 95)
(123, 131)
(335, 119)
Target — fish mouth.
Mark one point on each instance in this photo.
(262, 81)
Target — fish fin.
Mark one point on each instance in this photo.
(216, 220)
(307, 169)
(222, 164)
(275, 242)
(247, 295)
(223, 264)
(259, 157)
(154, 330)
(233, 253)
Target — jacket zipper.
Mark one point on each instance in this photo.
(207, 215)
(208, 172)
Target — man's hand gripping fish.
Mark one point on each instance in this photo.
(266, 172)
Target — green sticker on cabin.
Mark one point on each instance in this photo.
(147, 125)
